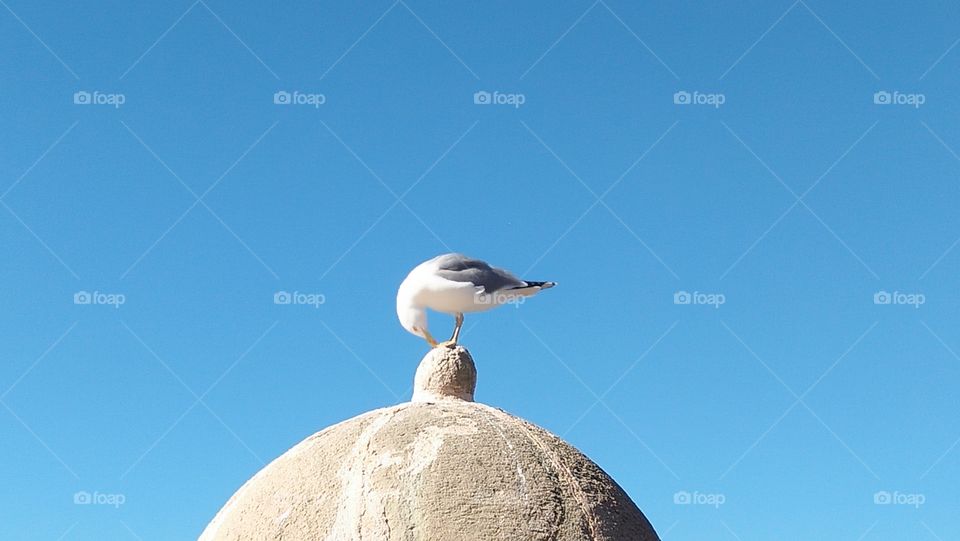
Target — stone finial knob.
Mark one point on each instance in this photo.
(446, 372)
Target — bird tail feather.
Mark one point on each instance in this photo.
(531, 288)
(541, 285)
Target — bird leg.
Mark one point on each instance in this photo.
(429, 338)
(456, 330)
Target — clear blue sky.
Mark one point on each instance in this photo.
(790, 407)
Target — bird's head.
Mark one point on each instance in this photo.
(414, 320)
(411, 310)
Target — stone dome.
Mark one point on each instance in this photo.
(438, 468)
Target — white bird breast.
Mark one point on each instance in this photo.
(452, 297)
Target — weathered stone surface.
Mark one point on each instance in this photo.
(446, 372)
(441, 468)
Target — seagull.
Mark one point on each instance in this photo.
(455, 284)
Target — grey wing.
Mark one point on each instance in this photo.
(460, 268)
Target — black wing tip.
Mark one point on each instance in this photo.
(541, 285)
